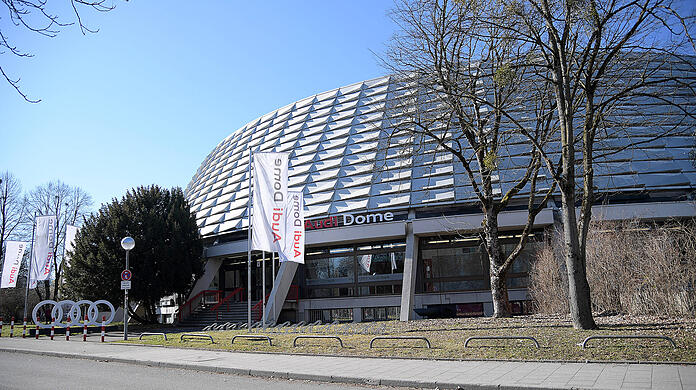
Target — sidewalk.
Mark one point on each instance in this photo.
(388, 372)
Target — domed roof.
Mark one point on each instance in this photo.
(345, 163)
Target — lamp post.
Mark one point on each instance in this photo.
(127, 243)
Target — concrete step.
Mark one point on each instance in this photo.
(237, 312)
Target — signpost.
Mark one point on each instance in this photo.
(127, 243)
(126, 279)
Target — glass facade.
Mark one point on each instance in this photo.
(460, 264)
(381, 313)
(330, 315)
(357, 270)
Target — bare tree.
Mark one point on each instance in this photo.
(38, 16)
(70, 205)
(12, 209)
(615, 66)
(465, 92)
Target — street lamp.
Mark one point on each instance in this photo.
(127, 243)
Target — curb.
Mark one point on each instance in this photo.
(421, 358)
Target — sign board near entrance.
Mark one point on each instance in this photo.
(353, 219)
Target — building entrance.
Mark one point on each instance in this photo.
(233, 275)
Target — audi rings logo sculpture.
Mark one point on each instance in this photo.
(74, 312)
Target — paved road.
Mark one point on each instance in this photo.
(24, 371)
(372, 371)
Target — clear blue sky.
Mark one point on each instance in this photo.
(145, 99)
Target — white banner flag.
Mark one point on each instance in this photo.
(270, 194)
(70, 233)
(14, 251)
(294, 228)
(42, 253)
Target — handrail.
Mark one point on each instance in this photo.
(293, 294)
(196, 298)
(258, 306)
(229, 296)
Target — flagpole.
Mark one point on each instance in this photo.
(4, 258)
(263, 281)
(275, 320)
(249, 249)
(31, 257)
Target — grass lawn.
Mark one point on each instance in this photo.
(556, 336)
(17, 328)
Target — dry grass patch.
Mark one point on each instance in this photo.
(558, 339)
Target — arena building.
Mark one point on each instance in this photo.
(390, 234)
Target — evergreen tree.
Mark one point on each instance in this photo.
(166, 259)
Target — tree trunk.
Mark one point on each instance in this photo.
(578, 289)
(579, 299)
(499, 291)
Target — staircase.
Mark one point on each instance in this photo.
(209, 307)
(202, 317)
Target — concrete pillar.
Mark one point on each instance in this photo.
(357, 314)
(488, 309)
(212, 266)
(283, 280)
(408, 287)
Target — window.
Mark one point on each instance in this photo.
(460, 264)
(329, 270)
(358, 270)
(331, 292)
(330, 315)
(380, 266)
(387, 289)
(381, 313)
(448, 262)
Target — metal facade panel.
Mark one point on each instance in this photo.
(343, 160)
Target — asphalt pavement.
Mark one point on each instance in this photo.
(53, 373)
(443, 374)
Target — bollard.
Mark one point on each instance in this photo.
(102, 329)
(67, 330)
(36, 332)
(24, 328)
(84, 329)
(0, 326)
(53, 329)
(12, 327)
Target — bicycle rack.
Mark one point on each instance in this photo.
(252, 337)
(466, 343)
(194, 336)
(400, 338)
(584, 343)
(294, 342)
(152, 334)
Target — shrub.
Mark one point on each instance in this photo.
(632, 268)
